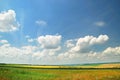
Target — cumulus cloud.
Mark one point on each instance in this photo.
(99, 23)
(46, 53)
(27, 54)
(27, 36)
(8, 21)
(51, 51)
(109, 54)
(41, 23)
(87, 41)
(3, 41)
(76, 47)
(68, 55)
(112, 51)
(29, 49)
(49, 41)
(69, 43)
(10, 54)
(31, 40)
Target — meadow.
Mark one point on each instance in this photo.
(27, 72)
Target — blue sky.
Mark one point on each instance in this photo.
(59, 31)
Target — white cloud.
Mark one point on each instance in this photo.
(27, 36)
(41, 23)
(109, 54)
(26, 54)
(112, 51)
(52, 53)
(29, 49)
(87, 41)
(99, 23)
(10, 54)
(77, 46)
(46, 53)
(8, 21)
(67, 55)
(69, 43)
(31, 40)
(50, 41)
(3, 41)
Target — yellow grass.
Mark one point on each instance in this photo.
(98, 66)
(108, 66)
(36, 72)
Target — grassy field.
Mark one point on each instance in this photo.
(22, 72)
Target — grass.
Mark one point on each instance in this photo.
(24, 74)
(33, 73)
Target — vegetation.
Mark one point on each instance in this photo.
(21, 72)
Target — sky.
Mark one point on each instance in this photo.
(59, 31)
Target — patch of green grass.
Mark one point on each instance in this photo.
(22, 73)
(90, 64)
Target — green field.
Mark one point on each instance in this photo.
(18, 72)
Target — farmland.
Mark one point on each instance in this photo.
(80, 72)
